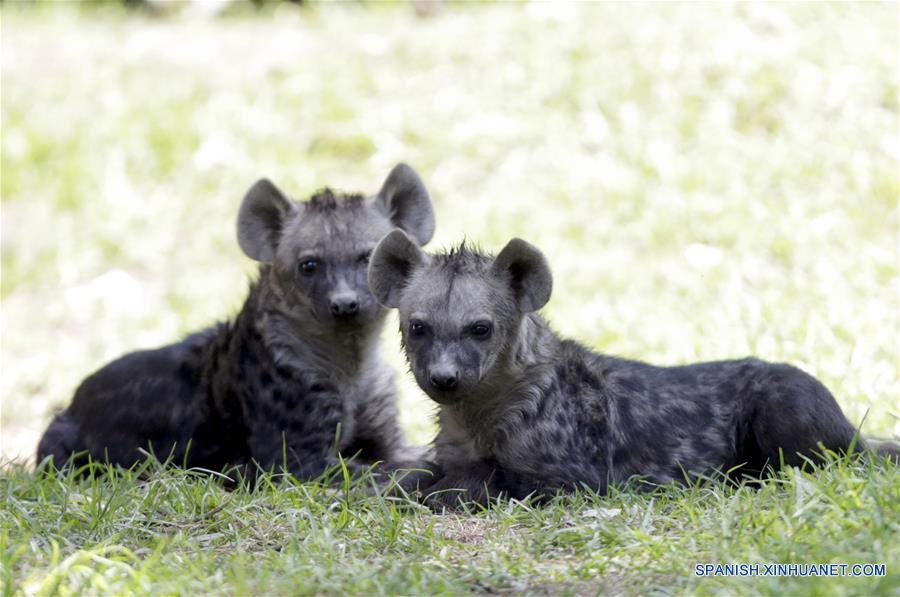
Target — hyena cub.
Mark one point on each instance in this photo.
(524, 411)
(299, 367)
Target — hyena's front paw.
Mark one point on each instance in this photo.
(455, 494)
(414, 478)
(447, 500)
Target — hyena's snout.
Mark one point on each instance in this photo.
(344, 304)
(443, 377)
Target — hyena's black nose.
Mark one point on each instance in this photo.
(344, 305)
(444, 379)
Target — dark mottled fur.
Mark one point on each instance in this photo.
(297, 368)
(523, 411)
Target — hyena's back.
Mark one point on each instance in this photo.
(718, 415)
(149, 399)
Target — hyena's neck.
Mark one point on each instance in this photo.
(535, 344)
(294, 339)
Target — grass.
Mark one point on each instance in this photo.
(178, 532)
(707, 182)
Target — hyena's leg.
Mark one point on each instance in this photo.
(789, 415)
(297, 433)
(471, 483)
(479, 482)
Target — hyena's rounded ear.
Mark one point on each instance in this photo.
(527, 272)
(408, 204)
(260, 220)
(390, 266)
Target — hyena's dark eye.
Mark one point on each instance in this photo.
(482, 329)
(364, 258)
(416, 329)
(308, 266)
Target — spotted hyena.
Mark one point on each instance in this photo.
(524, 411)
(299, 369)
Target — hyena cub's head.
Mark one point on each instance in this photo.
(318, 250)
(460, 312)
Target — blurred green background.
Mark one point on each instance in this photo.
(707, 181)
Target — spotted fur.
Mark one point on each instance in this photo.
(296, 378)
(524, 411)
